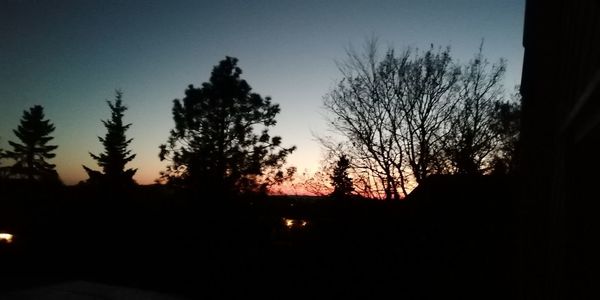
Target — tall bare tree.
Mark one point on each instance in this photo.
(360, 110)
(507, 126)
(427, 98)
(472, 139)
(406, 116)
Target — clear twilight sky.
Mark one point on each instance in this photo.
(70, 56)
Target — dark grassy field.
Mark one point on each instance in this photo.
(443, 241)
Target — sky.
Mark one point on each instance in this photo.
(70, 56)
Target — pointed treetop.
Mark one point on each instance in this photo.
(115, 155)
(31, 154)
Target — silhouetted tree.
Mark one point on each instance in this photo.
(472, 139)
(214, 146)
(342, 183)
(316, 183)
(405, 117)
(507, 126)
(116, 155)
(394, 111)
(31, 154)
(363, 108)
(281, 182)
(427, 99)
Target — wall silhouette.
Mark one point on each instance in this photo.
(559, 134)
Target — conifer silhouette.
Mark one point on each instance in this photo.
(31, 154)
(214, 146)
(342, 183)
(115, 155)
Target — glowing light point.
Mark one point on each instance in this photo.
(289, 222)
(6, 237)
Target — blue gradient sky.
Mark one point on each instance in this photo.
(70, 56)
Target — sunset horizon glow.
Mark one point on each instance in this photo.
(77, 53)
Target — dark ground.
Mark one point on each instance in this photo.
(452, 237)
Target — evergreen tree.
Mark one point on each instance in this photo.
(115, 155)
(342, 183)
(214, 147)
(31, 154)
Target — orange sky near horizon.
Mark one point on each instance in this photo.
(70, 56)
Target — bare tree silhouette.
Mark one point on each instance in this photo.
(404, 117)
(427, 97)
(507, 126)
(472, 139)
(362, 108)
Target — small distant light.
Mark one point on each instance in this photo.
(304, 223)
(6, 237)
(288, 222)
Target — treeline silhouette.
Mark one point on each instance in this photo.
(209, 227)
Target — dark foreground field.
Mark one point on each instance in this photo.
(443, 241)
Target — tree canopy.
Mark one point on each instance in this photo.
(221, 141)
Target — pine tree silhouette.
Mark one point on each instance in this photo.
(214, 146)
(115, 155)
(342, 183)
(31, 154)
